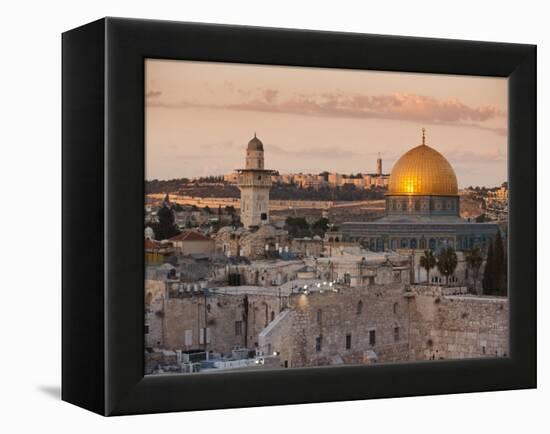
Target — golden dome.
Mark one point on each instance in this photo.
(423, 171)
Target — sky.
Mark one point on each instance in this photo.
(199, 117)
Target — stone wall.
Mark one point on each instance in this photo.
(457, 326)
(387, 322)
(349, 316)
(173, 318)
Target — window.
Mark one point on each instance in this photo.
(372, 337)
(146, 328)
(272, 315)
(318, 343)
(396, 334)
(238, 328)
(319, 316)
(395, 305)
(348, 341)
(263, 216)
(188, 338)
(359, 307)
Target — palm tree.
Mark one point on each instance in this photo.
(447, 262)
(474, 259)
(427, 261)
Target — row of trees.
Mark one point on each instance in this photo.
(494, 279)
(298, 227)
(347, 192)
(445, 261)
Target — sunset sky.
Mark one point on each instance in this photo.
(200, 116)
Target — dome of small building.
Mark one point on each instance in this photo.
(423, 171)
(255, 144)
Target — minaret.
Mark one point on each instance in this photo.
(379, 165)
(254, 182)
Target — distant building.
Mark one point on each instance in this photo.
(153, 252)
(231, 177)
(191, 242)
(149, 233)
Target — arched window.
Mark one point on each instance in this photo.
(422, 243)
(395, 306)
(319, 316)
(359, 307)
(272, 315)
(413, 243)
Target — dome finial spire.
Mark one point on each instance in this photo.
(423, 136)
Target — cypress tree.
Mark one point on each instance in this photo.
(166, 227)
(487, 281)
(499, 266)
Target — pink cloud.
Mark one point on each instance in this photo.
(396, 106)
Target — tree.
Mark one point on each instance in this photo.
(427, 261)
(297, 227)
(482, 218)
(320, 226)
(495, 274)
(166, 227)
(499, 266)
(488, 281)
(447, 262)
(474, 260)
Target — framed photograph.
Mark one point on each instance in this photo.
(258, 216)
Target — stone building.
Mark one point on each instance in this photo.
(422, 209)
(192, 242)
(304, 247)
(266, 241)
(254, 182)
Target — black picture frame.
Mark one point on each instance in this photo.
(103, 191)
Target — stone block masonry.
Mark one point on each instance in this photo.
(457, 327)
